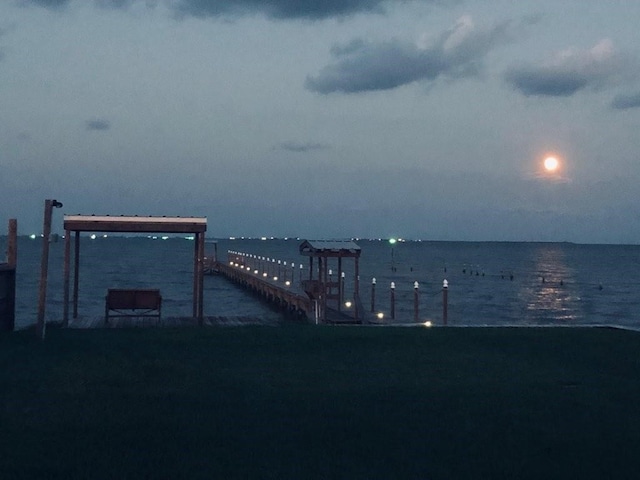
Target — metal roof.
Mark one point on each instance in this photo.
(134, 224)
(330, 248)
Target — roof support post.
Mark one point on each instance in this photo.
(67, 274)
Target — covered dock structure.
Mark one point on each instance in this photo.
(322, 286)
(132, 224)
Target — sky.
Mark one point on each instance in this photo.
(424, 119)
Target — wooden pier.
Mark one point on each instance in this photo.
(281, 295)
(318, 297)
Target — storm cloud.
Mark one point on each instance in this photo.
(47, 3)
(298, 147)
(570, 71)
(625, 102)
(286, 9)
(97, 124)
(360, 66)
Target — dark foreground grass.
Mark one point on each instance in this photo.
(299, 402)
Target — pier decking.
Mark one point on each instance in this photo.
(285, 297)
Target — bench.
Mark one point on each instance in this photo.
(132, 302)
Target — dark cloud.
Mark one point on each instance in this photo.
(624, 102)
(570, 71)
(114, 3)
(302, 147)
(47, 3)
(286, 9)
(546, 81)
(360, 66)
(97, 124)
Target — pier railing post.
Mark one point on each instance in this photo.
(393, 300)
(373, 294)
(416, 300)
(445, 295)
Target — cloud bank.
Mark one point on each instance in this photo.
(97, 125)
(285, 9)
(360, 66)
(625, 102)
(298, 147)
(570, 71)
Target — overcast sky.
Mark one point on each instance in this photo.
(337, 118)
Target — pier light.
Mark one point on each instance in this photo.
(287, 283)
(255, 272)
(373, 281)
(393, 285)
(416, 285)
(301, 266)
(445, 284)
(275, 279)
(342, 275)
(278, 262)
(264, 274)
(347, 304)
(427, 323)
(248, 268)
(330, 272)
(380, 315)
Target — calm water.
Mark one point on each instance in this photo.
(489, 283)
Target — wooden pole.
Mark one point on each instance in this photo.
(201, 281)
(44, 266)
(195, 275)
(340, 283)
(67, 274)
(393, 300)
(445, 299)
(416, 297)
(76, 273)
(12, 244)
(356, 288)
(373, 295)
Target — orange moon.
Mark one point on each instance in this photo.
(551, 164)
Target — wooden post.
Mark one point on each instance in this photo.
(67, 274)
(195, 274)
(445, 295)
(416, 297)
(373, 294)
(393, 300)
(8, 281)
(76, 273)
(201, 280)
(49, 205)
(340, 284)
(356, 287)
(12, 243)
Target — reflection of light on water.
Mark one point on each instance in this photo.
(550, 294)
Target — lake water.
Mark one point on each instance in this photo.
(490, 283)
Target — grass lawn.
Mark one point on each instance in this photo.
(302, 401)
